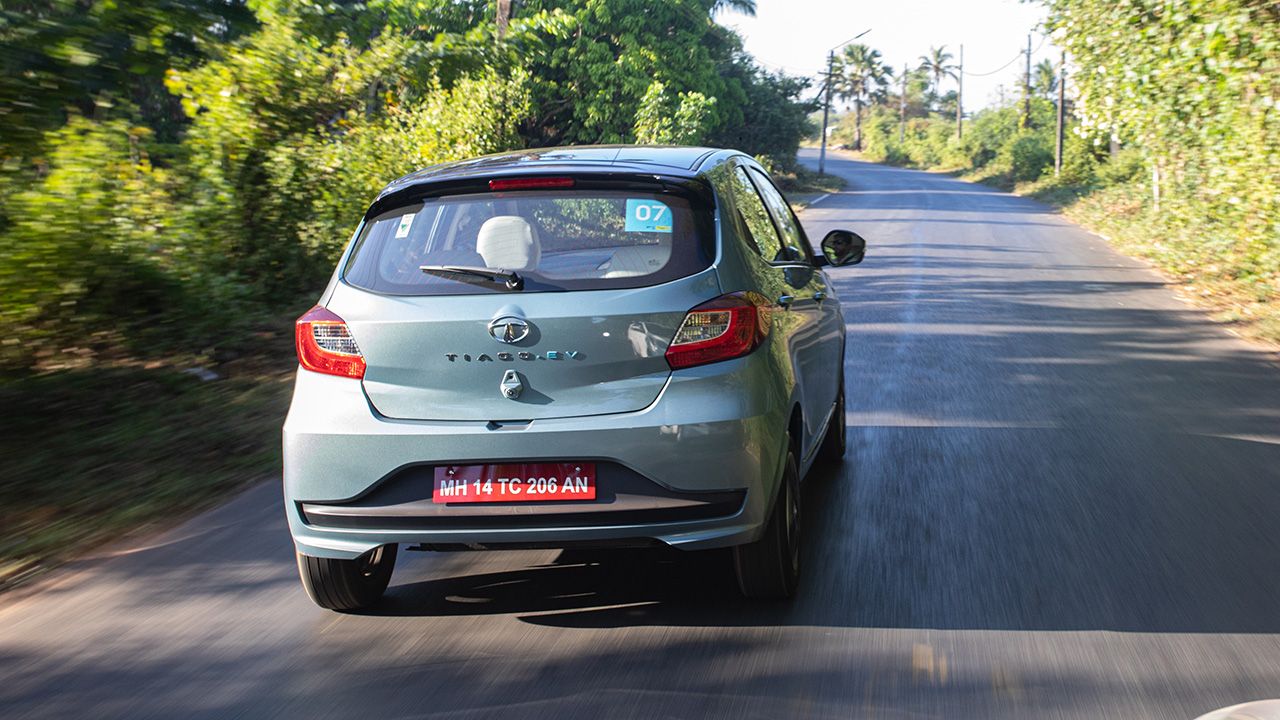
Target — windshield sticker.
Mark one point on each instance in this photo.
(406, 222)
(647, 216)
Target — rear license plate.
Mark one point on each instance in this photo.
(514, 482)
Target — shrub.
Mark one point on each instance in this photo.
(1079, 159)
(1026, 155)
(320, 184)
(1121, 168)
(879, 135)
(95, 245)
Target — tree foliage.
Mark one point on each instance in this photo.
(1195, 85)
(1172, 139)
(1044, 79)
(860, 75)
(937, 65)
(174, 170)
(773, 117)
(589, 88)
(663, 120)
(101, 59)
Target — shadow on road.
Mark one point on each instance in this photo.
(1039, 455)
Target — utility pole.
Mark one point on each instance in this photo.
(1062, 113)
(826, 105)
(960, 96)
(902, 108)
(1026, 88)
(826, 112)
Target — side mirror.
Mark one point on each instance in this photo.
(842, 247)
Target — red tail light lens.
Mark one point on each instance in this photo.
(727, 327)
(325, 345)
(531, 183)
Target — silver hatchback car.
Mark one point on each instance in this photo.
(602, 346)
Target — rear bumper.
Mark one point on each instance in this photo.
(713, 433)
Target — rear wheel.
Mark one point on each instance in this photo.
(833, 443)
(346, 585)
(769, 568)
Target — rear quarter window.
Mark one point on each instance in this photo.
(763, 233)
(561, 240)
(784, 219)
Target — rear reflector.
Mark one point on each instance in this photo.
(325, 345)
(727, 327)
(530, 183)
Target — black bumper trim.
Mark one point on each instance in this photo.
(623, 497)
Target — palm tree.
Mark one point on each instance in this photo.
(937, 63)
(742, 7)
(860, 75)
(1044, 78)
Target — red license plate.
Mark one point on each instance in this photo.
(514, 482)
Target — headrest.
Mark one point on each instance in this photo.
(507, 242)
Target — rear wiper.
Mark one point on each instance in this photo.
(466, 273)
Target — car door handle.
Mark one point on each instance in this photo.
(786, 300)
(819, 296)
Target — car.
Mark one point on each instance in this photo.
(583, 346)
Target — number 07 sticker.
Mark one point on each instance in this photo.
(647, 216)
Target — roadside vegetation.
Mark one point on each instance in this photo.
(1172, 139)
(177, 179)
(93, 457)
(803, 185)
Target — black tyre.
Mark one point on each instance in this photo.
(833, 443)
(345, 585)
(769, 568)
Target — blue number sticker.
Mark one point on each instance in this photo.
(647, 216)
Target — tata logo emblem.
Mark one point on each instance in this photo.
(509, 329)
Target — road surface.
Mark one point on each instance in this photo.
(1061, 500)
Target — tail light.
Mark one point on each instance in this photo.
(531, 183)
(727, 327)
(325, 345)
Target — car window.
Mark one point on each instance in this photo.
(756, 217)
(566, 240)
(786, 221)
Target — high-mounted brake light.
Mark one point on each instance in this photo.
(727, 327)
(530, 183)
(325, 345)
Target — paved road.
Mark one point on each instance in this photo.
(1061, 501)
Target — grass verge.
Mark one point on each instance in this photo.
(1175, 239)
(95, 454)
(803, 185)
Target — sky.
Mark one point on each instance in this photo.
(794, 36)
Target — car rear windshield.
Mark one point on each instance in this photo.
(554, 240)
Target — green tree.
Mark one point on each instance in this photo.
(742, 7)
(861, 76)
(101, 59)
(664, 120)
(89, 255)
(589, 87)
(1044, 79)
(178, 155)
(774, 117)
(282, 95)
(1195, 86)
(937, 65)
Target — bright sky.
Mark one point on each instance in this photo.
(794, 35)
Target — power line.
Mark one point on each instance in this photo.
(1003, 67)
(1015, 59)
(826, 105)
